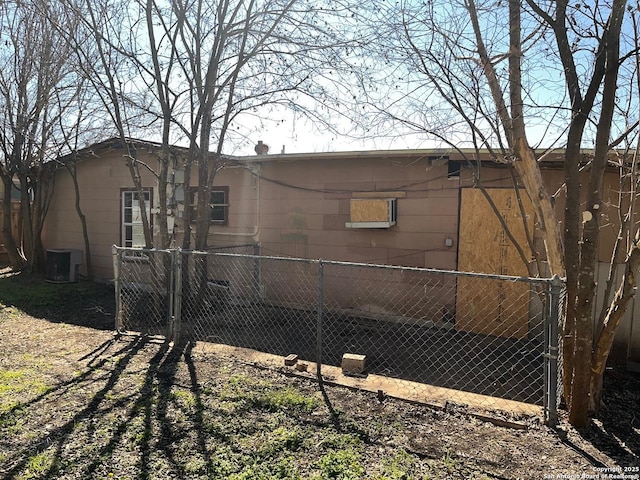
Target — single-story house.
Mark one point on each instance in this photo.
(415, 208)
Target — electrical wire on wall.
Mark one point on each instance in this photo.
(277, 253)
(406, 187)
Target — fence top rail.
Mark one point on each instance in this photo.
(230, 247)
(457, 273)
(261, 257)
(508, 278)
(116, 249)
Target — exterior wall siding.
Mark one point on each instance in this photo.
(100, 181)
(306, 211)
(298, 206)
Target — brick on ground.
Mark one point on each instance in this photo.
(353, 363)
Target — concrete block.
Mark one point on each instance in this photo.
(301, 367)
(291, 360)
(353, 363)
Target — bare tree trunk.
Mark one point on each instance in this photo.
(43, 190)
(73, 171)
(162, 197)
(582, 396)
(27, 221)
(114, 95)
(529, 172)
(204, 194)
(134, 171)
(611, 316)
(163, 90)
(525, 161)
(187, 215)
(572, 259)
(625, 293)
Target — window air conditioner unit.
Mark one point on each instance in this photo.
(373, 213)
(62, 265)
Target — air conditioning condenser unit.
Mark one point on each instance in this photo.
(62, 265)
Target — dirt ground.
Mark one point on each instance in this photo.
(76, 403)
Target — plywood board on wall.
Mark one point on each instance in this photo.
(492, 307)
(369, 210)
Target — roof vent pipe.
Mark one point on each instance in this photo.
(262, 148)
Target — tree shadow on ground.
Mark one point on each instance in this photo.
(146, 407)
(60, 435)
(82, 303)
(136, 415)
(616, 428)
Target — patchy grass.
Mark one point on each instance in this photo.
(343, 464)
(17, 389)
(77, 403)
(37, 295)
(25, 380)
(39, 465)
(82, 303)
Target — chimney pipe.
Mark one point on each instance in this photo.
(261, 148)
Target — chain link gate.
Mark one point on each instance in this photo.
(145, 291)
(492, 336)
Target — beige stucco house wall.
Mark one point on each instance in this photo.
(305, 208)
(300, 205)
(103, 176)
(293, 205)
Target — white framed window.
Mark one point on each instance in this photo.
(131, 215)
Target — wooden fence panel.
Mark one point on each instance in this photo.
(15, 215)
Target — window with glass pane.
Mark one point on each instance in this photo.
(218, 204)
(132, 227)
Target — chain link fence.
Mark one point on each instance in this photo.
(145, 291)
(469, 338)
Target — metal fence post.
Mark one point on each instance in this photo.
(177, 301)
(171, 293)
(319, 321)
(546, 342)
(554, 319)
(256, 272)
(116, 284)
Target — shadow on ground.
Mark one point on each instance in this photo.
(144, 413)
(132, 411)
(147, 414)
(616, 427)
(83, 303)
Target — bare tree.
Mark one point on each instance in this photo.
(213, 65)
(110, 49)
(206, 72)
(196, 72)
(216, 64)
(617, 297)
(75, 131)
(34, 70)
(462, 75)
